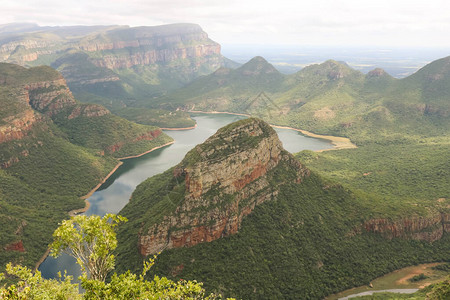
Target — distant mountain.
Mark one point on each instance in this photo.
(11, 28)
(228, 88)
(242, 215)
(433, 81)
(119, 62)
(53, 150)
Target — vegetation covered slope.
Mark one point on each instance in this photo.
(310, 239)
(53, 150)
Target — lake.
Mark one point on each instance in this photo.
(114, 194)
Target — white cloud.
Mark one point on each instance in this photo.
(369, 22)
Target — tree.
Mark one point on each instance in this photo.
(440, 291)
(33, 286)
(91, 241)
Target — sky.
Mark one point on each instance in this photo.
(392, 23)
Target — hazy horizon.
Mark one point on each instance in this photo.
(283, 22)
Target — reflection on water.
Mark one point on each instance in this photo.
(112, 196)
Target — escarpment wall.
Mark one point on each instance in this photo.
(122, 48)
(429, 228)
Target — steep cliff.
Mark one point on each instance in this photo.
(41, 94)
(430, 228)
(143, 45)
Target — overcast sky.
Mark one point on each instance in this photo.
(298, 22)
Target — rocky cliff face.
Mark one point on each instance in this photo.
(50, 97)
(145, 56)
(118, 48)
(30, 102)
(224, 179)
(54, 97)
(430, 228)
(18, 125)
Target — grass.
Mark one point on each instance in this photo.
(399, 280)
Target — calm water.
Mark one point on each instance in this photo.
(115, 193)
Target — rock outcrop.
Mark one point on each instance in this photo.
(34, 98)
(429, 228)
(224, 179)
(18, 126)
(54, 97)
(377, 72)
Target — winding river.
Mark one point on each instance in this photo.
(112, 196)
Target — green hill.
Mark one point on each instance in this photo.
(53, 150)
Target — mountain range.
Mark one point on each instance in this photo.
(328, 98)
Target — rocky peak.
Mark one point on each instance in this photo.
(224, 179)
(376, 73)
(336, 70)
(257, 66)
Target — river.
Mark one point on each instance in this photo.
(112, 196)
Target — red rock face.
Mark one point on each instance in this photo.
(148, 136)
(153, 56)
(18, 127)
(417, 228)
(16, 246)
(258, 171)
(50, 97)
(89, 110)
